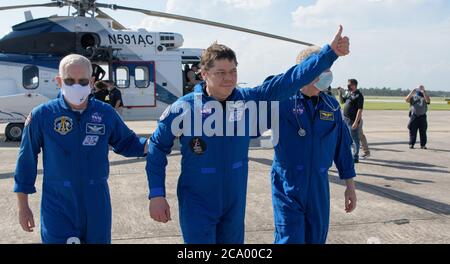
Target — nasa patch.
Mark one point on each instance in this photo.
(198, 146)
(90, 140)
(96, 117)
(63, 125)
(206, 111)
(298, 110)
(96, 129)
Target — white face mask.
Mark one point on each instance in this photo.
(325, 80)
(75, 94)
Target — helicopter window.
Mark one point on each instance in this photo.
(122, 77)
(30, 77)
(167, 38)
(141, 77)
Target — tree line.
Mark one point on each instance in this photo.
(396, 92)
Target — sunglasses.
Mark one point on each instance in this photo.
(71, 81)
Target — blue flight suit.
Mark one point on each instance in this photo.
(75, 194)
(300, 188)
(213, 182)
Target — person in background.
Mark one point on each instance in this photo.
(192, 75)
(353, 107)
(115, 96)
(101, 91)
(97, 72)
(329, 91)
(418, 100)
(364, 144)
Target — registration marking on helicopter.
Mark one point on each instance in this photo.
(130, 39)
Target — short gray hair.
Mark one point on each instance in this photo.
(304, 54)
(74, 59)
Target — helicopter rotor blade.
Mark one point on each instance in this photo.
(202, 21)
(116, 24)
(52, 4)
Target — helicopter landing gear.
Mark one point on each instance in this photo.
(14, 131)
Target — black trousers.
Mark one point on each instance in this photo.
(418, 123)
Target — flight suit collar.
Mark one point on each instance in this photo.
(200, 88)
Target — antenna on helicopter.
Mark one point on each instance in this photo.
(28, 15)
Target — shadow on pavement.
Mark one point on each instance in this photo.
(406, 198)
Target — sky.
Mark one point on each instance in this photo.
(393, 43)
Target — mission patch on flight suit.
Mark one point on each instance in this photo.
(198, 146)
(327, 116)
(63, 125)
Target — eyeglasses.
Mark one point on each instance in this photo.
(223, 74)
(71, 81)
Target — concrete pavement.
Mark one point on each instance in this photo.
(403, 194)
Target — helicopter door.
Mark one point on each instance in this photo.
(136, 81)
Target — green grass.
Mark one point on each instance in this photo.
(436, 99)
(400, 106)
(437, 103)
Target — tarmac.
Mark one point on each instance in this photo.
(403, 194)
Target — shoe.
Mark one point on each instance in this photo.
(423, 147)
(411, 146)
(365, 155)
(356, 160)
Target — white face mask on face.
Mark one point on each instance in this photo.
(325, 80)
(75, 94)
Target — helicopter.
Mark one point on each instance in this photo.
(148, 67)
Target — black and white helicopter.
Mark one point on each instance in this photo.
(147, 66)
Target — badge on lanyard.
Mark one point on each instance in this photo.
(302, 132)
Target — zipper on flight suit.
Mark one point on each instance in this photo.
(82, 185)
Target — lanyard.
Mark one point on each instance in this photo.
(301, 131)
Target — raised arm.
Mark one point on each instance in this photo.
(408, 98)
(284, 85)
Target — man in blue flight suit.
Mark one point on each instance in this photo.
(213, 182)
(74, 133)
(311, 135)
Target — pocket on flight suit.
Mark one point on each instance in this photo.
(99, 212)
(287, 201)
(289, 182)
(60, 209)
(239, 170)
